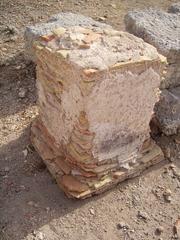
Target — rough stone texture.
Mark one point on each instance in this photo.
(67, 19)
(168, 111)
(174, 8)
(97, 89)
(162, 30)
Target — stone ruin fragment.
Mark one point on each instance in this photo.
(162, 30)
(97, 89)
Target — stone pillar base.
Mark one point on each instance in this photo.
(85, 180)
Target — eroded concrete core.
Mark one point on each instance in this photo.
(162, 30)
(97, 89)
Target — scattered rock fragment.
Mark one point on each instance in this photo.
(143, 215)
(32, 204)
(11, 30)
(122, 225)
(159, 230)
(6, 169)
(25, 152)
(92, 212)
(40, 236)
(47, 209)
(177, 139)
(176, 173)
(113, 5)
(18, 67)
(167, 195)
(101, 19)
(167, 152)
(4, 49)
(22, 93)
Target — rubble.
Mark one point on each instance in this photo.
(162, 30)
(97, 89)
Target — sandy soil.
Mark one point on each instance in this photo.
(31, 205)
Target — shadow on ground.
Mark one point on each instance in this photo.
(16, 75)
(30, 198)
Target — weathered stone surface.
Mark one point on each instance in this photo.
(68, 19)
(168, 111)
(97, 89)
(162, 30)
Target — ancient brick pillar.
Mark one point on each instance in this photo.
(96, 93)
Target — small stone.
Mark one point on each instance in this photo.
(172, 166)
(101, 19)
(59, 31)
(4, 49)
(92, 212)
(22, 93)
(40, 236)
(122, 225)
(177, 139)
(18, 67)
(143, 215)
(30, 203)
(22, 187)
(167, 153)
(47, 209)
(12, 30)
(167, 195)
(6, 169)
(113, 5)
(159, 230)
(25, 152)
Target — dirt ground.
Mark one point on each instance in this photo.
(31, 205)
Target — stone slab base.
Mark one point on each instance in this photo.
(82, 181)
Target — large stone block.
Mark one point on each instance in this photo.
(97, 89)
(64, 19)
(162, 30)
(168, 111)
